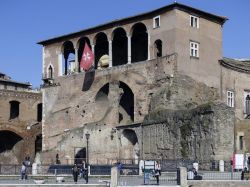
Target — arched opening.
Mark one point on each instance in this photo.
(158, 48)
(130, 146)
(80, 155)
(14, 109)
(38, 143)
(82, 43)
(139, 43)
(126, 109)
(8, 140)
(50, 72)
(247, 100)
(101, 47)
(102, 102)
(119, 47)
(39, 112)
(69, 57)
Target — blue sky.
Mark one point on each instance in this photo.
(25, 22)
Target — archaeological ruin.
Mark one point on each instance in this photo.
(159, 89)
(20, 121)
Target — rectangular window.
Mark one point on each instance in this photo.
(230, 98)
(247, 102)
(157, 22)
(194, 49)
(241, 139)
(194, 21)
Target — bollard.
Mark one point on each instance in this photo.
(183, 177)
(114, 176)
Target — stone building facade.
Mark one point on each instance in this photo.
(235, 76)
(20, 121)
(155, 90)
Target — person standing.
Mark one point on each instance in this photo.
(23, 171)
(157, 171)
(75, 173)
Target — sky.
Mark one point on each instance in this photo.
(26, 22)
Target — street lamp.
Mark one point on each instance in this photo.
(87, 135)
(195, 142)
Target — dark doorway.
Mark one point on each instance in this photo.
(119, 47)
(38, 143)
(101, 47)
(8, 140)
(158, 48)
(39, 112)
(14, 109)
(139, 43)
(80, 155)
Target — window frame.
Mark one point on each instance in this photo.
(193, 23)
(246, 92)
(192, 49)
(154, 22)
(230, 98)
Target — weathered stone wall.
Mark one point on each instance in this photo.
(170, 134)
(24, 126)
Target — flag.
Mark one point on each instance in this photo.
(87, 58)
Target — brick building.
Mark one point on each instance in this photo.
(157, 89)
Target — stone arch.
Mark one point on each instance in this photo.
(126, 105)
(158, 48)
(69, 57)
(139, 42)
(119, 47)
(129, 145)
(101, 46)
(80, 155)
(80, 45)
(11, 147)
(14, 109)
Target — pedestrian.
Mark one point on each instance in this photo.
(82, 170)
(243, 172)
(75, 173)
(23, 171)
(157, 171)
(248, 163)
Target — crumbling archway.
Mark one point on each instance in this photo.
(126, 109)
(11, 147)
(69, 57)
(80, 155)
(119, 47)
(101, 47)
(129, 145)
(139, 43)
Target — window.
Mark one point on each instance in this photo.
(247, 102)
(230, 98)
(39, 112)
(14, 109)
(194, 21)
(157, 22)
(158, 48)
(194, 49)
(241, 142)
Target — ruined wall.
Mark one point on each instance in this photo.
(22, 130)
(170, 134)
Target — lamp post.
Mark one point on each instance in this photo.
(195, 142)
(87, 135)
